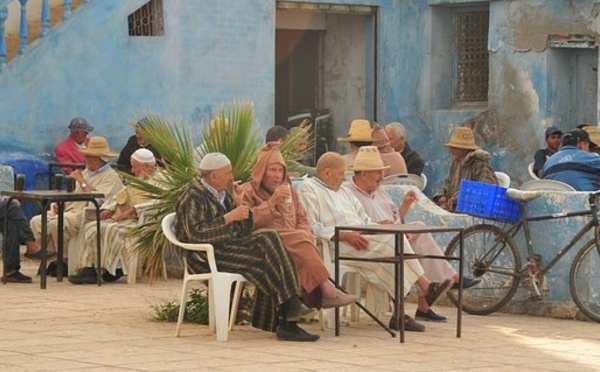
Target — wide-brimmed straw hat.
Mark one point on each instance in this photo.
(98, 146)
(462, 138)
(360, 131)
(594, 134)
(368, 159)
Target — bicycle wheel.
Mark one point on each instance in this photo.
(584, 280)
(492, 256)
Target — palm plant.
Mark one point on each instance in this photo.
(231, 132)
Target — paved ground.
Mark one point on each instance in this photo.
(110, 328)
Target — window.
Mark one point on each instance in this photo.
(472, 68)
(147, 20)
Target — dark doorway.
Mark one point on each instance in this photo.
(297, 73)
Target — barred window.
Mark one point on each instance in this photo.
(472, 67)
(147, 20)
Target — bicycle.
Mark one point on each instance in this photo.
(491, 254)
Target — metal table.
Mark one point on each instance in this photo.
(45, 197)
(398, 260)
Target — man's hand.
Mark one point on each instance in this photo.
(78, 176)
(238, 214)
(105, 214)
(355, 239)
(237, 194)
(281, 195)
(410, 198)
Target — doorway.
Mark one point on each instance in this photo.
(325, 70)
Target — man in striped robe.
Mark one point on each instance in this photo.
(208, 213)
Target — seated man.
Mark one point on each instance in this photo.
(399, 142)
(97, 176)
(391, 159)
(552, 138)
(135, 142)
(469, 162)
(275, 206)
(359, 135)
(17, 230)
(574, 164)
(381, 209)
(68, 150)
(329, 205)
(208, 213)
(278, 133)
(118, 215)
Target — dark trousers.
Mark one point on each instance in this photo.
(18, 228)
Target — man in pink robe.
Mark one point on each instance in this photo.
(67, 151)
(275, 206)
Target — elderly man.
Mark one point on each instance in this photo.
(359, 135)
(135, 142)
(275, 206)
(119, 214)
(552, 137)
(67, 151)
(17, 230)
(207, 212)
(574, 164)
(391, 159)
(368, 174)
(469, 162)
(399, 142)
(97, 176)
(328, 205)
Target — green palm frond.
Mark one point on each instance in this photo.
(232, 132)
(299, 142)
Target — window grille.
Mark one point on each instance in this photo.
(147, 20)
(472, 55)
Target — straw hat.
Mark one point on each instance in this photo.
(98, 146)
(593, 133)
(360, 131)
(368, 159)
(462, 138)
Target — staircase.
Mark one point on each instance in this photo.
(39, 15)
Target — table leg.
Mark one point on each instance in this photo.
(98, 248)
(460, 287)
(336, 261)
(44, 263)
(400, 300)
(60, 242)
(4, 239)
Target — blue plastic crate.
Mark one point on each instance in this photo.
(488, 201)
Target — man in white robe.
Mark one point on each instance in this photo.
(381, 209)
(98, 176)
(328, 205)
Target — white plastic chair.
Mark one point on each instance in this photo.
(548, 185)
(405, 179)
(352, 285)
(531, 172)
(219, 285)
(503, 179)
(424, 177)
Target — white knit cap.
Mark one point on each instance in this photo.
(144, 156)
(214, 160)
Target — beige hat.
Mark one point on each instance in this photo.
(592, 130)
(462, 138)
(368, 159)
(360, 131)
(98, 146)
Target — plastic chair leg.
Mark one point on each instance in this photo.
(221, 300)
(184, 293)
(239, 286)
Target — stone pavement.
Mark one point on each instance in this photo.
(110, 328)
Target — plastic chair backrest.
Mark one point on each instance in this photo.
(531, 172)
(424, 177)
(7, 178)
(503, 179)
(549, 185)
(32, 169)
(405, 179)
